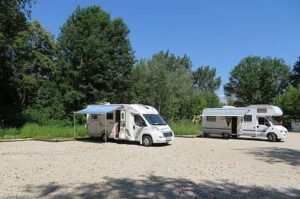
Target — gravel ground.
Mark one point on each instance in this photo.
(187, 168)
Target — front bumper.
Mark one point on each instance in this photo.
(163, 140)
(282, 135)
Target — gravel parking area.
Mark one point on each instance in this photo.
(188, 168)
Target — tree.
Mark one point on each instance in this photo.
(257, 80)
(289, 102)
(37, 73)
(205, 79)
(165, 82)
(13, 17)
(296, 73)
(97, 58)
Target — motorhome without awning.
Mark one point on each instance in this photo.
(134, 122)
(254, 120)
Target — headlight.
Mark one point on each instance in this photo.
(154, 128)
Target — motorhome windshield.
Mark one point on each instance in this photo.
(154, 119)
(272, 120)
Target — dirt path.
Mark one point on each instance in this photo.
(189, 167)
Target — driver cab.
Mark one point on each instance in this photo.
(263, 124)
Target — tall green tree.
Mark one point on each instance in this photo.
(205, 79)
(39, 92)
(296, 73)
(257, 80)
(165, 82)
(97, 58)
(289, 102)
(13, 19)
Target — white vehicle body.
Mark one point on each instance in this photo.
(130, 122)
(254, 120)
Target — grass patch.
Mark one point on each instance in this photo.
(185, 127)
(42, 132)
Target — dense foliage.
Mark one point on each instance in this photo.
(289, 101)
(43, 80)
(257, 80)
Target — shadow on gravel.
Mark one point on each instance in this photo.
(239, 138)
(277, 155)
(158, 187)
(126, 142)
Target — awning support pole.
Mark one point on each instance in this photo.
(74, 130)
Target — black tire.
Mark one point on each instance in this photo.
(147, 140)
(205, 135)
(226, 135)
(271, 137)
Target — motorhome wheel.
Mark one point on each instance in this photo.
(147, 140)
(205, 135)
(226, 135)
(271, 137)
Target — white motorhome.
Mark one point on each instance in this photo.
(134, 122)
(254, 120)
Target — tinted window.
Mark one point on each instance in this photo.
(109, 116)
(154, 119)
(261, 121)
(211, 118)
(261, 110)
(139, 121)
(248, 118)
(94, 117)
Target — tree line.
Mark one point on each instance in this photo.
(44, 79)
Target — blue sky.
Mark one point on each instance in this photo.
(215, 33)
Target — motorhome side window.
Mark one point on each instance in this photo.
(211, 118)
(109, 116)
(139, 121)
(94, 117)
(261, 110)
(248, 118)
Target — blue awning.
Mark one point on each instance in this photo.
(98, 109)
(225, 112)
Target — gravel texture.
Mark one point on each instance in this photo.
(187, 168)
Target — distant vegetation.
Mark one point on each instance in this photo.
(36, 131)
(42, 132)
(44, 79)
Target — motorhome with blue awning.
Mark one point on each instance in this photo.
(134, 122)
(254, 120)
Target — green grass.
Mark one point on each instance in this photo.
(185, 127)
(52, 131)
(42, 132)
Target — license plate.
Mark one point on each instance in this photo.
(168, 139)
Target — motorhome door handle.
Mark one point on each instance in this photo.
(257, 126)
(133, 127)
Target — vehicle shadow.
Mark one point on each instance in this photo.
(274, 155)
(239, 138)
(157, 187)
(126, 142)
(90, 139)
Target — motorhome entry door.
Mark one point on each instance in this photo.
(122, 125)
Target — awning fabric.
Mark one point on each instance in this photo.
(238, 112)
(98, 109)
